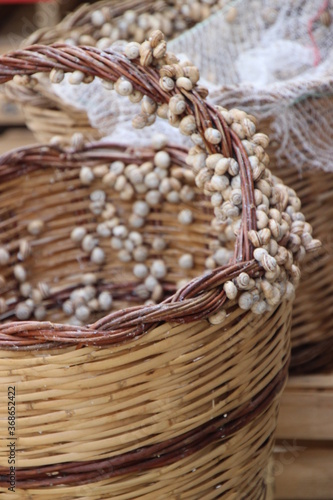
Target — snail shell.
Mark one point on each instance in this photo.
(156, 38)
(275, 229)
(132, 50)
(148, 106)
(177, 104)
(244, 282)
(167, 83)
(168, 70)
(218, 318)
(255, 238)
(192, 73)
(160, 50)
(245, 301)
(213, 135)
(187, 125)
(248, 127)
(213, 159)
(123, 87)
(230, 290)
(140, 121)
(261, 140)
(268, 262)
(184, 83)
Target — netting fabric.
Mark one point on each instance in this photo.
(273, 59)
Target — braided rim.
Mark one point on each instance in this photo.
(201, 297)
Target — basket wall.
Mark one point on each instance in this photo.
(91, 404)
(205, 395)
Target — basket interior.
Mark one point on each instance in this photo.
(36, 190)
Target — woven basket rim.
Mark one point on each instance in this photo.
(81, 16)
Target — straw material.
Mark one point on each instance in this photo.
(167, 398)
(178, 389)
(193, 405)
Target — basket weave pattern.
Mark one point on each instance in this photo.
(149, 374)
(153, 398)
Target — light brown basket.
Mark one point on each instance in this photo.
(45, 112)
(174, 399)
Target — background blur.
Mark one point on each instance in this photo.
(18, 20)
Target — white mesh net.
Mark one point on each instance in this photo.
(273, 59)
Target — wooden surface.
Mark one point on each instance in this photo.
(15, 137)
(303, 458)
(304, 472)
(307, 409)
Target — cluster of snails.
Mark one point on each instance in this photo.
(172, 17)
(33, 298)
(85, 300)
(146, 187)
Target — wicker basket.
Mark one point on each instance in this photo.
(45, 112)
(312, 346)
(174, 399)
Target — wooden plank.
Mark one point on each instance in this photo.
(14, 138)
(306, 410)
(311, 381)
(304, 473)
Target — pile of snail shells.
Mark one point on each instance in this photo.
(147, 187)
